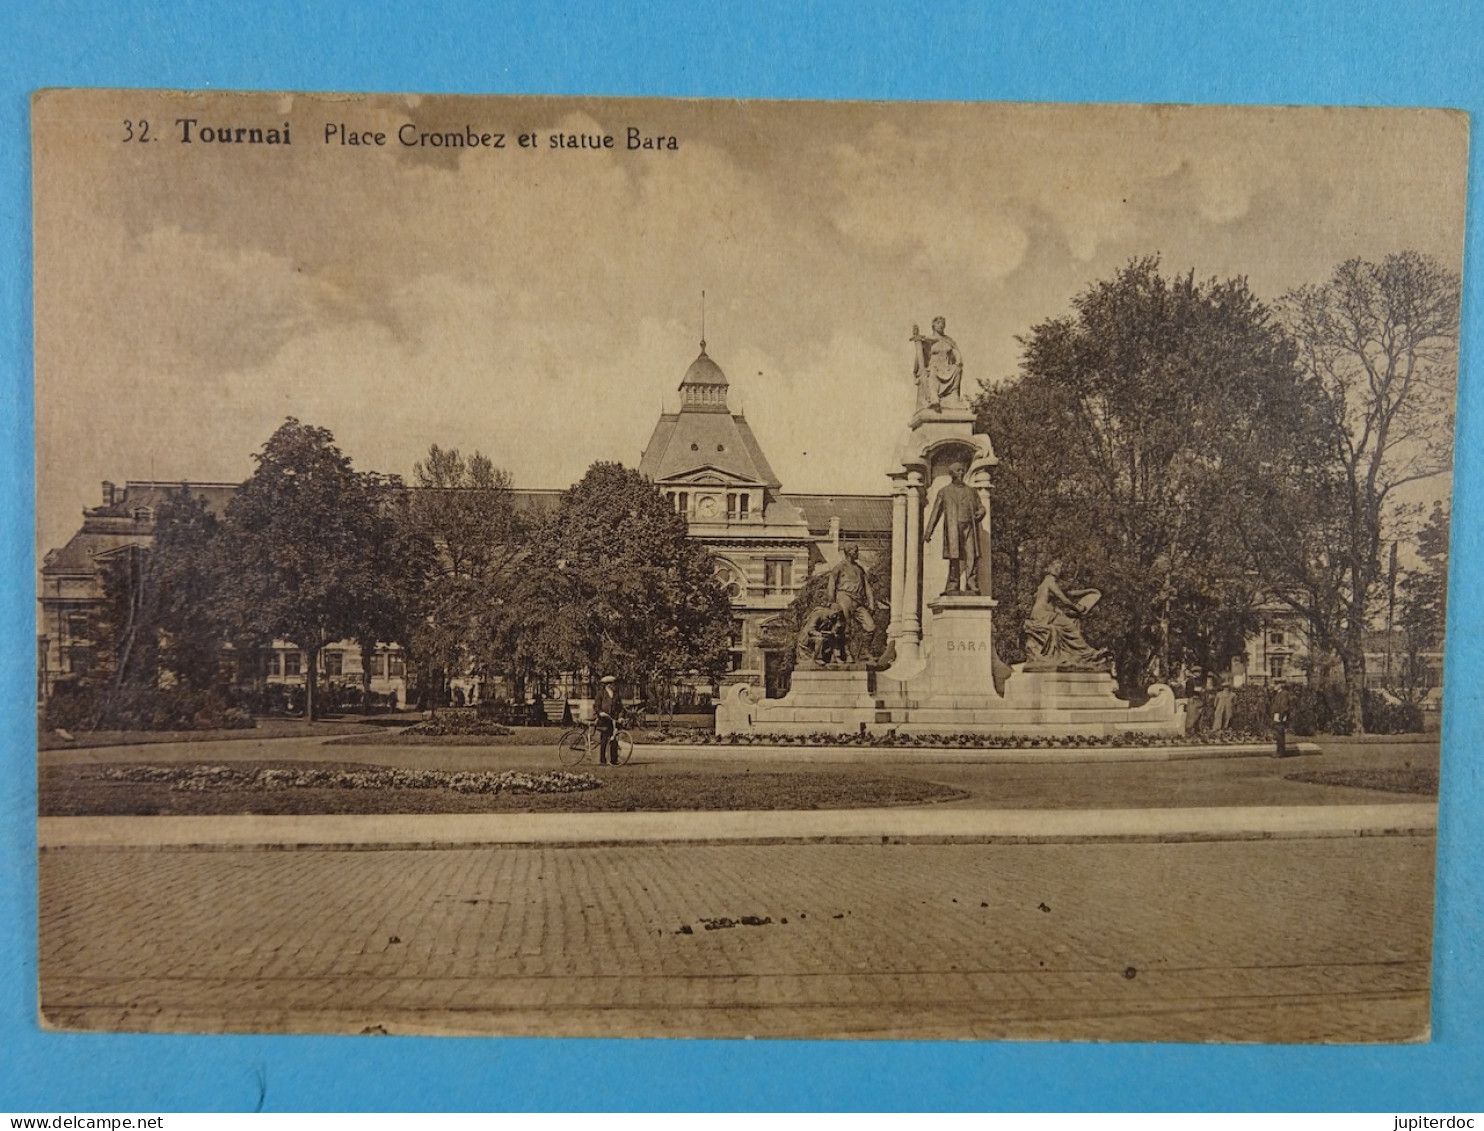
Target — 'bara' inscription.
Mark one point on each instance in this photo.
(968, 645)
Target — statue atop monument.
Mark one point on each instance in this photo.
(959, 507)
(938, 369)
(1053, 631)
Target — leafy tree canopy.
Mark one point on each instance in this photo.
(1138, 442)
(616, 586)
(307, 536)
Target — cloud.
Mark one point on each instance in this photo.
(913, 196)
(541, 306)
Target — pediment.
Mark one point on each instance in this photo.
(707, 475)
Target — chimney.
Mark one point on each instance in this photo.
(108, 496)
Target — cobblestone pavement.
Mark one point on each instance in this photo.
(1244, 941)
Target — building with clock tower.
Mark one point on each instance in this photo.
(710, 467)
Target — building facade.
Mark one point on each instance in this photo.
(766, 543)
(704, 458)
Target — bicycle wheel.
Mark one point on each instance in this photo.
(623, 747)
(572, 746)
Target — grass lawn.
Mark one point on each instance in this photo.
(87, 791)
(265, 728)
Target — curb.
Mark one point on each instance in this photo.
(839, 826)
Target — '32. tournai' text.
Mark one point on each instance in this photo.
(409, 135)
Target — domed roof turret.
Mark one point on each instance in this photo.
(704, 388)
(703, 371)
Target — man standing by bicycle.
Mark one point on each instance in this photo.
(608, 707)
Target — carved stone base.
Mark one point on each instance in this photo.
(1035, 666)
(833, 700)
(803, 665)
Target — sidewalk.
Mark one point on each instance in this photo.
(928, 825)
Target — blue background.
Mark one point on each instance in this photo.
(1337, 52)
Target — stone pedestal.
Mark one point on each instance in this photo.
(959, 646)
(822, 701)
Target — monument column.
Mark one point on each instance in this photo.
(981, 484)
(912, 578)
(898, 560)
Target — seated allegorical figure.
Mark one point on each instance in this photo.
(1053, 632)
(822, 636)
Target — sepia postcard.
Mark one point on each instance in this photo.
(541, 566)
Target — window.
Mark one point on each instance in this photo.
(682, 502)
(1275, 637)
(743, 502)
(378, 666)
(293, 663)
(275, 663)
(143, 514)
(334, 663)
(396, 665)
(1275, 667)
(729, 579)
(778, 575)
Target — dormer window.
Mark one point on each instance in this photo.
(143, 514)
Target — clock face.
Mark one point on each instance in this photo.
(706, 506)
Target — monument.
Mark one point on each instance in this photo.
(942, 673)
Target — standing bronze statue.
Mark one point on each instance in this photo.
(850, 589)
(939, 368)
(958, 505)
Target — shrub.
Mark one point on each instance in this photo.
(1383, 717)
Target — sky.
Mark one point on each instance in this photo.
(541, 305)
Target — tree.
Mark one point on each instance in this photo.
(1378, 343)
(614, 585)
(156, 634)
(302, 537)
(464, 538)
(1137, 443)
(1425, 595)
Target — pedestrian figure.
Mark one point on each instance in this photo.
(1193, 707)
(1282, 707)
(1226, 704)
(608, 707)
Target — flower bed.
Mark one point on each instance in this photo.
(208, 779)
(962, 741)
(445, 723)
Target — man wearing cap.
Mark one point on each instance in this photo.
(608, 707)
(1282, 707)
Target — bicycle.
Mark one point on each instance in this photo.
(581, 742)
